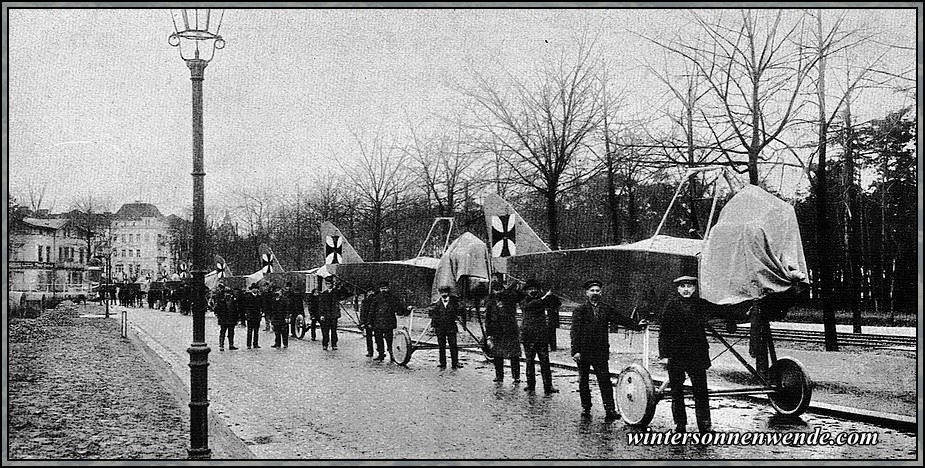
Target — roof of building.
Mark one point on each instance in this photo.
(138, 210)
(46, 223)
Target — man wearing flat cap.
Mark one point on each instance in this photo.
(384, 307)
(534, 333)
(443, 314)
(591, 323)
(682, 340)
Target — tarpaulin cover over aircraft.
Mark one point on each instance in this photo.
(754, 249)
(466, 256)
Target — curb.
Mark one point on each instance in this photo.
(222, 441)
(887, 420)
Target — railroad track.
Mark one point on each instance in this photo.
(810, 336)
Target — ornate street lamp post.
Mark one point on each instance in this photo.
(196, 34)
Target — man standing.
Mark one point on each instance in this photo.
(225, 316)
(683, 341)
(253, 310)
(501, 327)
(268, 295)
(329, 310)
(366, 320)
(385, 306)
(534, 334)
(279, 314)
(314, 314)
(295, 308)
(591, 346)
(443, 315)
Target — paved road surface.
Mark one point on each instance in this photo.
(305, 403)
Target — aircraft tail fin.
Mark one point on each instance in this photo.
(508, 232)
(268, 261)
(336, 247)
(222, 270)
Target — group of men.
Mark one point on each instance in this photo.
(682, 337)
(263, 301)
(378, 320)
(682, 341)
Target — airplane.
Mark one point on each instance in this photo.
(637, 276)
(413, 276)
(219, 275)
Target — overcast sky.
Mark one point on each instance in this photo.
(100, 103)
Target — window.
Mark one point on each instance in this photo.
(130, 252)
(47, 253)
(123, 252)
(119, 268)
(40, 253)
(81, 252)
(138, 253)
(123, 238)
(60, 254)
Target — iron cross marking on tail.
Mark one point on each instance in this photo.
(333, 249)
(220, 269)
(267, 261)
(503, 238)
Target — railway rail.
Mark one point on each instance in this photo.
(810, 336)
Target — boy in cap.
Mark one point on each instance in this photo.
(591, 346)
(683, 341)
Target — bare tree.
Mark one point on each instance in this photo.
(93, 218)
(442, 163)
(826, 42)
(755, 69)
(543, 128)
(257, 207)
(377, 178)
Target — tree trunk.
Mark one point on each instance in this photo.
(823, 233)
(552, 219)
(693, 223)
(632, 220)
(377, 233)
(613, 201)
(852, 225)
(754, 148)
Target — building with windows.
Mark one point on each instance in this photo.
(140, 243)
(47, 254)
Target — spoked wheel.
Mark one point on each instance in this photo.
(401, 346)
(635, 395)
(792, 385)
(300, 326)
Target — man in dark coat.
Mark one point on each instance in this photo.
(226, 316)
(591, 346)
(329, 311)
(279, 314)
(366, 320)
(534, 334)
(314, 314)
(501, 327)
(296, 308)
(385, 306)
(683, 341)
(186, 299)
(253, 310)
(443, 314)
